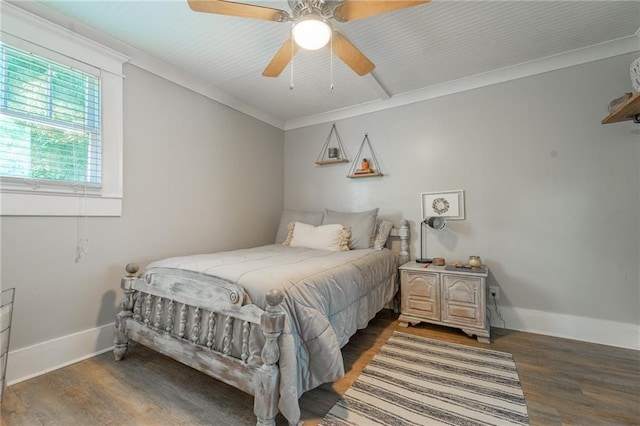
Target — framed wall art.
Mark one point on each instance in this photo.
(449, 204)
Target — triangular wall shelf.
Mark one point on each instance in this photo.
(372, 169)
(332, 155)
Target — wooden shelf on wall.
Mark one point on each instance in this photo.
(627, 111)
(325, 162)
(364, 175)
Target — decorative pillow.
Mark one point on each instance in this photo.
(322, 237)
(383, 229)
(288, 216)
(362, 225)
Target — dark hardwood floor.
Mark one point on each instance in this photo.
(565, 382)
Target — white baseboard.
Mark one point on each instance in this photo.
(592, 330)
(41, 358)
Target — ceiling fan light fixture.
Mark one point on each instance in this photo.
(311, 32)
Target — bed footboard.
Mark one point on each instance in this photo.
(176, 315)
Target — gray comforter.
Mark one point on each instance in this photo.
(328, 297)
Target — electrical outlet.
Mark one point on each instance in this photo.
(494, 292)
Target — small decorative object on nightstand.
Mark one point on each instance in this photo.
(450, 296)
(475, 262)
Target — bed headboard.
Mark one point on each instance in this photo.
(398, 241)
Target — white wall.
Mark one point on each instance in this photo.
(199, 177)
(552, 196)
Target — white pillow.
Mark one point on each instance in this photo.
(323, 237)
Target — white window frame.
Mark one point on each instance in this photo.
(32, 33)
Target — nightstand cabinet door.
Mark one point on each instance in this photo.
(420, 294)
(463, 301)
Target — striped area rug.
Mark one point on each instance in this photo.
(417, 381)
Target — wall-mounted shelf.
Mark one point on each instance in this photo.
(630, 110)
(364, 175)
(325, 162)
(332, 155)
(369, 169)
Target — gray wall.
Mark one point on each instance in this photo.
(198, 177)
(552, 196)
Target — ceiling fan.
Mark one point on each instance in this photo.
(311, 27)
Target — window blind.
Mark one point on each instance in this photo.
(50, 121)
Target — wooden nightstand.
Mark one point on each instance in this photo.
(455, 298)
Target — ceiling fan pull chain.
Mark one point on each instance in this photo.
(291, 85)
(331, 60)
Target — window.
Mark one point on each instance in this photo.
(61, 114)
(50, 126)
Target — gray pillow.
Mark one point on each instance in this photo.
(383, 229)
(362, 224)
(288, 216)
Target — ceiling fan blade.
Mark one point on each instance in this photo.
(222, 7)
(281, 59)
(350, 10)
(350, 55)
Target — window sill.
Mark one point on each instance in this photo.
(21, 204)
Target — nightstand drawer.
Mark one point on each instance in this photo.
(422, 308)
(420, 294)
(462, 296)
(461, 314)
(461, 289)
(420, 284)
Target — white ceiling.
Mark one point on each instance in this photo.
(421, 47)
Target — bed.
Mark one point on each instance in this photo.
(267, 320)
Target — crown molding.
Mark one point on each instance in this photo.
(597, 52)
(181, 77)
